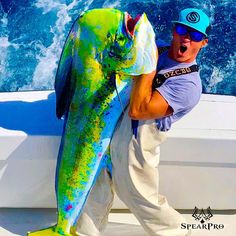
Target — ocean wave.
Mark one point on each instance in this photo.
(219, 74)
(32, 34)
(44, 73)
(111, 4)
(43, 76)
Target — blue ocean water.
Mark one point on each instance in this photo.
(32, 34)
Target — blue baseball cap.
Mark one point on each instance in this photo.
(195, 19)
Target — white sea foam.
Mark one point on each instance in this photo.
(5, 73)
(111, 4)
(216, 77)
(4, 20)
(47, 57)
(43, 77)
(48, 5)
(4, 44)
(219, 74)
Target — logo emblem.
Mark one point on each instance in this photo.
(193, 17)
(201, 215)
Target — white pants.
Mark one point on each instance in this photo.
(136, 182)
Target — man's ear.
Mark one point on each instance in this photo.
(204, 42)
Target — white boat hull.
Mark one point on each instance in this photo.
(198, 161)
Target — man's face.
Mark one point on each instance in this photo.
(183, 48)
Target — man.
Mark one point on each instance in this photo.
(135, 152)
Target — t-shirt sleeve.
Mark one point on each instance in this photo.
(180, 94)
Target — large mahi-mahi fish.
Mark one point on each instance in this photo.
(103, 50)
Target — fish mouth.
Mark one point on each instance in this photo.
(116, 50)
(130, 23)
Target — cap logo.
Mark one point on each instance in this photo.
(193, 17)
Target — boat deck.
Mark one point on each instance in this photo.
(18, 221)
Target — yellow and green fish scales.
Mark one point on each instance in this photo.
(98, 60)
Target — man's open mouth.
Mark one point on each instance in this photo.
(183, 48)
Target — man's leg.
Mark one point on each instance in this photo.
(135, 177)
(95, 214)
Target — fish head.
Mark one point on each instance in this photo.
(133, 49)
(124, 38)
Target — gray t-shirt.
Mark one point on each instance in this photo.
(181, 92)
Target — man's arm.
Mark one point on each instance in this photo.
(145, 103)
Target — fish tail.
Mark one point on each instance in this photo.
(51, 231)
(73, 191)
